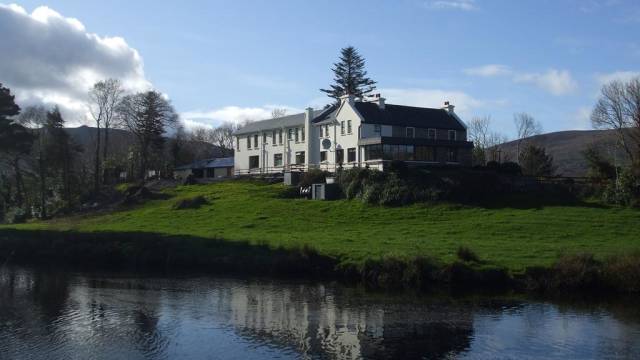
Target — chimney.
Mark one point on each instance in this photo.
(348, 98)
(378, 100)
(448, 107)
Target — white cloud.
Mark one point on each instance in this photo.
(489, 70)
(233, 114)
(465, 5)
(617, 75)
(46, 58)
(556, 82)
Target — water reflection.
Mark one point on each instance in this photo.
(49, 315)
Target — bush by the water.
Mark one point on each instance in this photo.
(190, 203)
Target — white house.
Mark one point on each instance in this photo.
(353, 133)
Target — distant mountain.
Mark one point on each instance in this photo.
(120, 140)
(566, 147)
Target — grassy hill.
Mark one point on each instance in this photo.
(566, 148)
(237, 211)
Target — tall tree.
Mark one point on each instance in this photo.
(618, 108)
(35, 117)
(60, 152)
(104, 97)
(486, 142)
(15, 140)
(526, 126)
(350, 76)
(147, 115)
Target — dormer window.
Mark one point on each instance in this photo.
(410, 132)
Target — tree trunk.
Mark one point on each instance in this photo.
(43, 188)
(97, 167)
(19, 186)
(105, 152)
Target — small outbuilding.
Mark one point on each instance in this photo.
(206, 169)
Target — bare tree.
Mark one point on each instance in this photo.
(104, 97)
(223, 136)
(278, 113)
(147, 116)
(526, 126)
(486, 142)
(618, 108)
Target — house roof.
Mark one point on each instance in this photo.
(401, 115)
(282, 122)
(208, 163)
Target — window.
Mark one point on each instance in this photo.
(339, 156)
(323, 156)
(264, 138)
(273, 137)
(453, 155)
(289, 134)
(398, 152)
(377, 129)
(277, 160)
(326, 131)
(237, 143)
(341, 127)
(299, 157)
(248, 142)
(254, 162)
(255, 141)
(348, 126)
(373, 152)
(410, 132)
(452, 135)
(297, 134)
(280, 137)
(302, 134)
(321, 132)
(425, 153)
(431, 134)
(351, 154)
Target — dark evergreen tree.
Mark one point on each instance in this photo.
(15, 140)
(535, 162)
(350, 76)
(147, 115)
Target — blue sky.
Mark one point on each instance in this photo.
(224, 60)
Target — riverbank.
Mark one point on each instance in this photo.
(250, 227)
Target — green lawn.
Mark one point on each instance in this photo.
(510, 237)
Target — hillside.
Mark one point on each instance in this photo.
(352, 232)
(566, 147)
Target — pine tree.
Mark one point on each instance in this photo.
(350, 76)
(15, 140)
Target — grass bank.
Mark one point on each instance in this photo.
(243, 217)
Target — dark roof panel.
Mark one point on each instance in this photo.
(208, 163)
(401, 115)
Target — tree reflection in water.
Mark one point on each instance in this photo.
(49, 315)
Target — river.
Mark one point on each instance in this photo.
(47, 314)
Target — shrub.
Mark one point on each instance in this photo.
(622, 272)
(577, 272)
(313, 176)
(466, 254)
(190, 203)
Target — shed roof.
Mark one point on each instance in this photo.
(208, 163)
